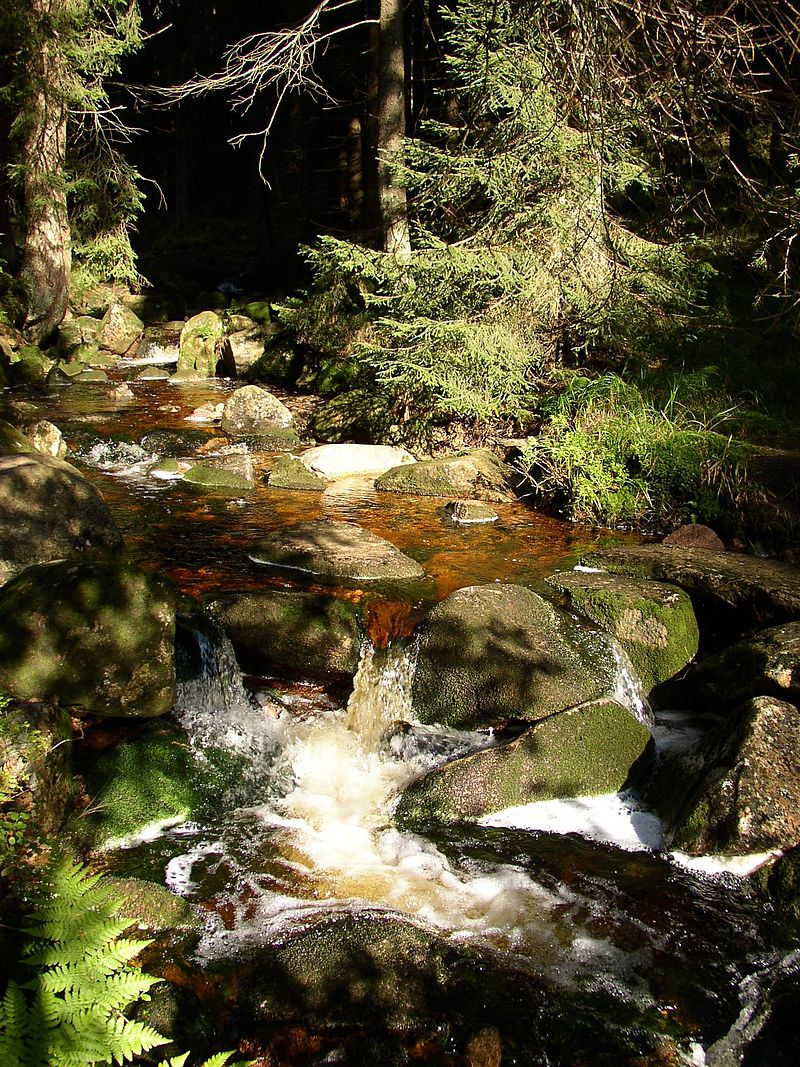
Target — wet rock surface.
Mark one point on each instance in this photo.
(582, 751)
(306, 632)
(333, 550)
(476, 475)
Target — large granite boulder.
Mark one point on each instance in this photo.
(119, 330)
(200, 343)
(477, 475)
(494, 652)
(654, 622)
(584, 751)
(308, 632)
(48, 510)
(97, 637)
(335, 551)
(729, 591)
(746, 798)
(254, 412)
(766, 664)
(332, 462)
(289, 472)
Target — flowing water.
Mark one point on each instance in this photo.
(573, 938)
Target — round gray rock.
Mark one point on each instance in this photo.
(97, 637)
(48, 511)
(252, 410)
(336, 551)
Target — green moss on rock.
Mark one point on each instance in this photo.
(150, 779)
(654, 622)
(289, 472)
(583, 751)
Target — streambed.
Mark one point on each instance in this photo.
(516, 945)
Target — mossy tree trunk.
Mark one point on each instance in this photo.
(46, 259)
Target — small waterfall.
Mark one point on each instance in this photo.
(381, 691)
(222, 721)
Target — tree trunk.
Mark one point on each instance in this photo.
(46, 257)
(391, 128)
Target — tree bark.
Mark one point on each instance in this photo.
(46, 258)
(391, 128)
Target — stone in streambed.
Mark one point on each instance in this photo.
(253, 412)
(768, 663)
(469, 513)
(331, 462)
(289, 472)
(98, 637)
(309, 632)
(746, 798)
(119, 330)
(200, 341)
(739, 590)
(48, 510)
(654, 622)
(333, 551)
(585, 751)
(477, 475)
(494, 652)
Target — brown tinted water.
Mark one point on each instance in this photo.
(202, 539)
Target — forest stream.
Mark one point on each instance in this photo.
(561, 932)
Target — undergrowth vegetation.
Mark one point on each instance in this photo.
(608, 454)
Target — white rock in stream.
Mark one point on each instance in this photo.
(347, 461)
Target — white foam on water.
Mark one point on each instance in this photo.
(615, 818)
(740, 866)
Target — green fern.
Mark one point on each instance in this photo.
(70, 1013)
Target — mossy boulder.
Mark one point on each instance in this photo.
(746, 798)
(357, 415)
(30, 367)
(289, 472)
(200, 342)
(654, 622)
(150, 778)
(768, 663)
(309, 632)
(585, 751)
(242, 349)
(477, 475)
(120, 329)
(493, 652)
(234, 472)
(48, 510)
(259, 311)
(730, 592)
(77, 333)
(334, 551)
(97, 637)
